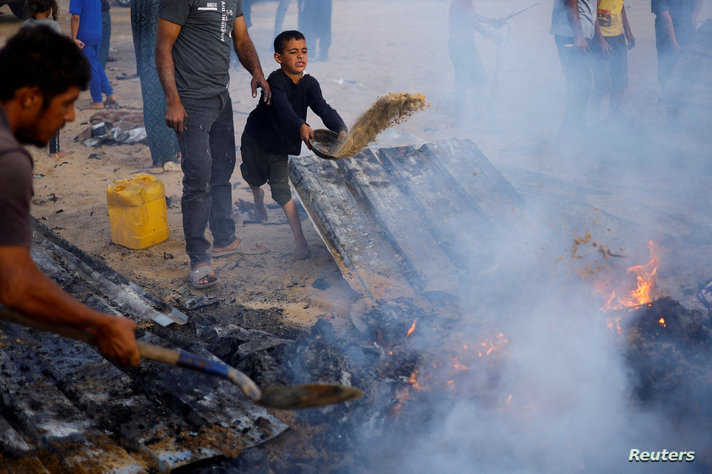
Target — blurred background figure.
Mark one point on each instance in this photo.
(470, 74)
(282, 8)
(87, 35)
(315, 23)
(40, 12)
(675, 24)
(573, 26)
(105, 32)
(613, 39)
(162, 141)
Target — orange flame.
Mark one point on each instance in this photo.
(644, 292)
(411, 330)
(662, 322)
(413, 380)
(490, 345)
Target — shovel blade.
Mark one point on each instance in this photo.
(306, 396)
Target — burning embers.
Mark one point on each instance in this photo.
(644, 292)
(427, 356)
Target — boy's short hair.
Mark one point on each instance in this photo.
(39, 57)
(281, 40)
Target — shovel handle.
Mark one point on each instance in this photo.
(191, 361)
(178, 358)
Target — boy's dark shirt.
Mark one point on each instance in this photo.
(276, 126)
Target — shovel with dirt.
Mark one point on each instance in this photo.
(278, 397)
(389, 110)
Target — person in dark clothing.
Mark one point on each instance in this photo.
(275, 131)
(315, 21)
(105, 32)
(675, 24)
(162, 141)
(41, 75)
(281, 12)
(193, 44)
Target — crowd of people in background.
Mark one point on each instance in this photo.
(592, 38)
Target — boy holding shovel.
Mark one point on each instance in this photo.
(275, 131)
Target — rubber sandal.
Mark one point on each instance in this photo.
(241, 250)
(198, 274)
(111, 105)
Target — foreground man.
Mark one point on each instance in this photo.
(193, 59)
(41, 75)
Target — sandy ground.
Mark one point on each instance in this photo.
(367, 59)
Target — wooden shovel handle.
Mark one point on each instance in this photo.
(178, 358)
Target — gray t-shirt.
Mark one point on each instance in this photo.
(561, 25)
(45, 22)
(15, 188)
(201, 53)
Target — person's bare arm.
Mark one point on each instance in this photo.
(573, 14)
(24, 288)
(76, 19)
(669, 28)
(247, 55)
(165, 39)
(626, 29)
(602, 43)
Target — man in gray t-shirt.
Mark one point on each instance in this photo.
(193, 57)
(572, 24)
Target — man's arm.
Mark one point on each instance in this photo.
(573, 14)
(165, 39)
(25, 288)
(669, 28)
(626, 29)
(247, 55)
(602, 43)
(76, 19)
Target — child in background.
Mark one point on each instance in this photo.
(613, 37)
(275, 131)
(40, 11)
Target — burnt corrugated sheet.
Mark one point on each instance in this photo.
(402, 221)
(63, 407)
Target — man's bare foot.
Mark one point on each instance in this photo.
(260, 209)
(60, 155)
(95, 106)
(301, 251)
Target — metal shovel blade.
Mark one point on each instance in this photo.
(306, 396)
(324, 143)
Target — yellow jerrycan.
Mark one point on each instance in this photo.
(137, 211)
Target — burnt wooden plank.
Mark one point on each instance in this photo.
(44, 414)
(125, 295)
(206, 423)
(475, 177)
(204, 399)
(366, 261)
(406, 229)
(461, 227)
(11, 441)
